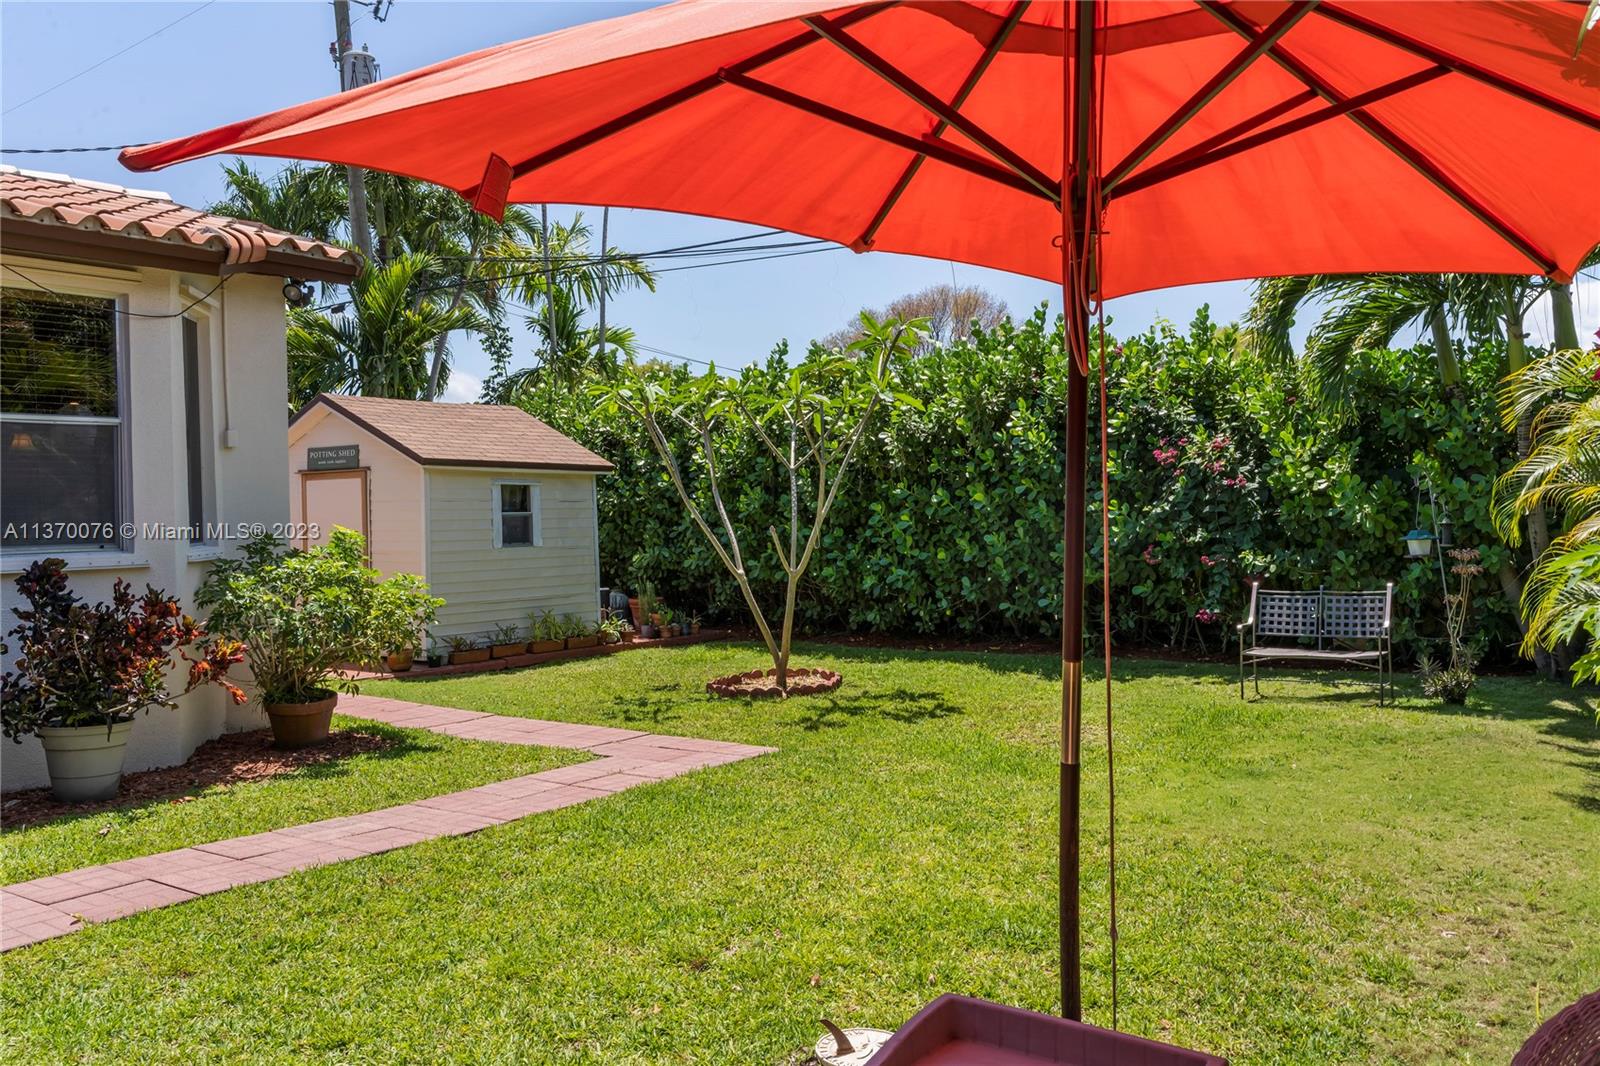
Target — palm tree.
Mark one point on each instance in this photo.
(311, 201)
(1559, 398)
(566, 350)
(379, 344)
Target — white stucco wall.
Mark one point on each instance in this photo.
(242, 332)
(483, 585)
(394, 488)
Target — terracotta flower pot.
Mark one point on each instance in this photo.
(505, 651)
(476, 655)
(85, 761)
(299, 725)
(400, 660)
(583, 642)
(544, 647)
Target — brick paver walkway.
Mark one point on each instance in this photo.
(31, 911)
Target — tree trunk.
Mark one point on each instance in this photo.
(1561, 313)
(1538, 519)
(1444, 350)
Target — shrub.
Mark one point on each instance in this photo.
(958, 531)
(305, 614)
(79, 665)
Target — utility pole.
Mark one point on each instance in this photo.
(605, 281)
(357, 179)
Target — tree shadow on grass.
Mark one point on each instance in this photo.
(653, 707)
(895, 705)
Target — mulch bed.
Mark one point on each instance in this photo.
(230, 759)
(764, 683)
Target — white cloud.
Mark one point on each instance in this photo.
(1585, 306)
(462, 387)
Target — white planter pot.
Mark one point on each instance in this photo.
(85, 761)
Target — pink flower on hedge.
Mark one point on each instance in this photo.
(1208, 561)
(1150, 554)
(1183, 442)
(1206, 615)
(1165, 456)
(1217, 467)
(1219, 444)
(1234, 482)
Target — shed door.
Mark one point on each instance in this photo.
(334, 498)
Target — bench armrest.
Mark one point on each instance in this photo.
(1246, 624)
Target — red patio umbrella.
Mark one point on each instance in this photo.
(1112, 145)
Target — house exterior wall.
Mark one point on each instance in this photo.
(394, 489)
(483, 585)
(242, 350)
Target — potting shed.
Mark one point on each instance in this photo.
(492, 507)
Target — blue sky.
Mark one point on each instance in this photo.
(227, 61)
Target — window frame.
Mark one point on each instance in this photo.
(534, 513)
(205, 428)
(122, 492)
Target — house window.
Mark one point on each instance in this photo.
(196, 421)
(61, 439)
(516, 514)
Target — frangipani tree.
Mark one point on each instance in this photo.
(809, 420)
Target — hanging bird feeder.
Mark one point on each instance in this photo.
(1419, 543)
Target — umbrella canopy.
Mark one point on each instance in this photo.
(1111, 145)
(1239, 139)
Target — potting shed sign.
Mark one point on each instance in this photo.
(334, 457)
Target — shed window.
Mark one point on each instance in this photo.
(516, 514)
(61, 423)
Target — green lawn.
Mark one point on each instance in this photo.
(416, 764)
(1304, 879)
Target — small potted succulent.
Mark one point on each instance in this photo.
(307, 614)
(580, 634)
(466, 648)
(667, 623)
(507, 641)
(548, 634)
(81, 673)
(694, 623)
(437, 655)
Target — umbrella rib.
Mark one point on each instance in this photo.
(678, 96)
(1405, 42)
(1381, 132)
(926, 145)
(1225, 146)
(973, 78)
(1254, 48)
(834, 33)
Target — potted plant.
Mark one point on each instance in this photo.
(466, 648)
(81, 673)
(644, 610)
(580, 634)
(305, 615)
(694, 623)
(437, 656)
(399, 660)
(548, 634)
(507, 641)
(667, 623)
(613, 630)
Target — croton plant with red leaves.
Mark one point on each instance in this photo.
(80, 665)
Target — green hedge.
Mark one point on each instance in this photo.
(951, 522)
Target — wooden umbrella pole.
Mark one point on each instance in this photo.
(1076, 280)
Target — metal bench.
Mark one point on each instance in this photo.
(1329, 618)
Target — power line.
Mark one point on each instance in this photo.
(114, 309)
(109, 58)
(67, 151)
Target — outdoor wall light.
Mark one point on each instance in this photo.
(296, 293)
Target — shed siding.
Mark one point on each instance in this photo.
(394, 490)
(483, 585)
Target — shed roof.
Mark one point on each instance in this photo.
(59, 214)
(462, 434)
